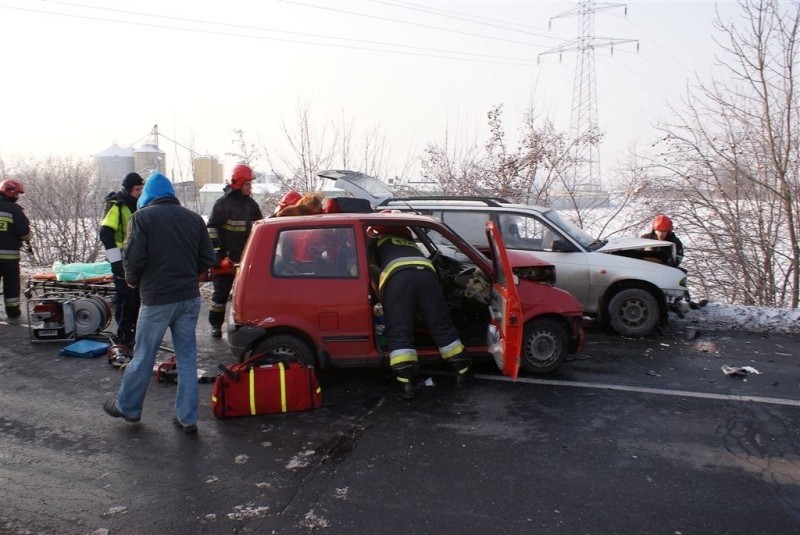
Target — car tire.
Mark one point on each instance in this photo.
(545, 344)
(285, 347)
(633, 312)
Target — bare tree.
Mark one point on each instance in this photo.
(309, 151)
(244, 151)
(64, 209)
(734, 152)
(455, 168)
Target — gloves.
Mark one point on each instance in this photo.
(219, 257)
(28, 247)
(117, 269)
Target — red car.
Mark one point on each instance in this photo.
(305, 288)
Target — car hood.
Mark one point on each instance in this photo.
(631, 244)
(525, 259)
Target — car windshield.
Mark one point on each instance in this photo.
(571, 229)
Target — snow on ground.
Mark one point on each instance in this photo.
(719, 317)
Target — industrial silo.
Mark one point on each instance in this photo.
(148, 158)
(111, 164)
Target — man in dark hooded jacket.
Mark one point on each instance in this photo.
(120, 206)
(166, 249)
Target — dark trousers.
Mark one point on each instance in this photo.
(9, 272)
(413, 291)
(219, 299)
(126, 311)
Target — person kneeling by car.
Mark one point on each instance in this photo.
(662, 230)
(409, 285)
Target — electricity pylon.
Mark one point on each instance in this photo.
(584, 124)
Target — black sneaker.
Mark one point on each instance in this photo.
(216, 332)
(110, 406)
(191, 428)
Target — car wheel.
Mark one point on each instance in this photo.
(285, 347)
(633, 312)
(544, 346)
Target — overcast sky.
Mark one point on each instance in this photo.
(80, 75)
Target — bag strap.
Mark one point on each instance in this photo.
(263, 358)
(230, 374)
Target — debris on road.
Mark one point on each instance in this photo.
(739, 371)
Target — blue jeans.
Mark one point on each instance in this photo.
(181, 319)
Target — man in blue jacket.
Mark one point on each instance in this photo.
(167, 247)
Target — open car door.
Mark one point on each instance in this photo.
(505, 328)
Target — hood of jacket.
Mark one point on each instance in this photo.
(157, 186)
(127, 199)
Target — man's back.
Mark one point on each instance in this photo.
(167, 248)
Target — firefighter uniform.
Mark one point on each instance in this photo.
(120, 207)
(408, 286)
(14, 231)
(229, 227)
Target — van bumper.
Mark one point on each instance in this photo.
(242, 337)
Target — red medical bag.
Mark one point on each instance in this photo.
(259, 386)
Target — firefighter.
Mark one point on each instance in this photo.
(15, 230)
(120, 206)
(229, 227)
(408, 285)
(662, 230)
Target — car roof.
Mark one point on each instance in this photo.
(452, 201)
(369, 218)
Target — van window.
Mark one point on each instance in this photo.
(320, 252)
(469, 225)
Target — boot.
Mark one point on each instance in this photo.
(406, 388)
(408, 392)
(460, 364)
(464, 378)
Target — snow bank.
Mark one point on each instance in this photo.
(714, 317)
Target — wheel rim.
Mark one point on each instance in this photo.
(634, 312)
(543, 348)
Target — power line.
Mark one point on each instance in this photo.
(493, 58)
(389, 19)
(459, 16)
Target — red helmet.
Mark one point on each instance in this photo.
(290, 199)
(11, 188)
(241, 174)
(662, 223)
(331, 206)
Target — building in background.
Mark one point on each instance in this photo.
(207, 170)
(148, 158)
(111, 164)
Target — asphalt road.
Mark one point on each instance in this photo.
(632, 436)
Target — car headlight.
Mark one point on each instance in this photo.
(545, 274)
